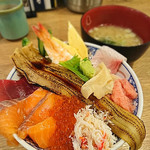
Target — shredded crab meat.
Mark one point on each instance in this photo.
(91, 130)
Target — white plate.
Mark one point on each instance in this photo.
(124, 71)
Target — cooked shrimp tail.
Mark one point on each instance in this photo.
(55, 51)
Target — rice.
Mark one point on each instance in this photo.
(91, 130)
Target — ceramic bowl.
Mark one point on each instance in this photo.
(125, 71)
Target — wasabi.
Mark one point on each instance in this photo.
(87, 68)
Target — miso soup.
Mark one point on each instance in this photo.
(115, 35)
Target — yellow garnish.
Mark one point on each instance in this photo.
(75, 40)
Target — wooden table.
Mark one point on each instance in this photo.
(57, 21)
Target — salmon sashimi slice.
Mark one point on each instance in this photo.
(31, 101)
(61, 109)
(48, 119)
(10, 119)
(54, 50)
(42, 111)
(11, 89)
(12, 114)
(42, 132)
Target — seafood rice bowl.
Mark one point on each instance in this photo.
(124, 71)
(74, 96)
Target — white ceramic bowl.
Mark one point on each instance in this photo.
(125, 71)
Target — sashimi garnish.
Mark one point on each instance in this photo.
(111, 58)
(12, 89)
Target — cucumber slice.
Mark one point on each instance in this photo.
(41, 48)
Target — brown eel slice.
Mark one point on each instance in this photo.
(125, 125)
(55, 78)
(32, 65)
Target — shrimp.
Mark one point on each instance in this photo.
(54, 50)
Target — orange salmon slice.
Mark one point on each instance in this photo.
(12, 116)
(51, 124)
(42, 112)
(42, 132)
(47, 118)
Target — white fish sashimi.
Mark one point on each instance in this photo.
(111, 58)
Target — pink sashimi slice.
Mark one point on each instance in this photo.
(10, 89)
(111, 58)
(128, 89)
(121, 97)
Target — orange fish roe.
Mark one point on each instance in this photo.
(65, 121)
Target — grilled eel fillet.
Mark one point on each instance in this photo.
(40, 71)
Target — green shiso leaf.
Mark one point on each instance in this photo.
(74, 66)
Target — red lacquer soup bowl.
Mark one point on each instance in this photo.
(120, 16)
